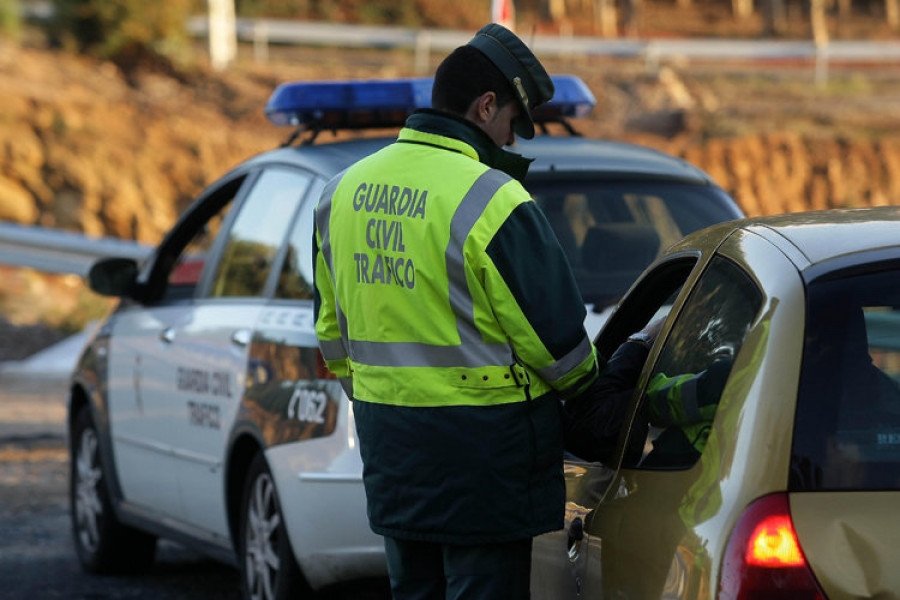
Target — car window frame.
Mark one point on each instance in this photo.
(309, 203)
(637, 307)
(778, 276)
(210, 270)
(234, 188)
(651, 364)
(153, 278)
(857, 265)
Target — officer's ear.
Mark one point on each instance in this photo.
(483, 108)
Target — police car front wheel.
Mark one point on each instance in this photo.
(268, 568)
(104, 545)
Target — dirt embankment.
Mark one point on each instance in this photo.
(85, 148)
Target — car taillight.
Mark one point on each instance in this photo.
(774, 544)
(322, 371)
(764, 559)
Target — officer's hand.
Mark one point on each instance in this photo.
(647, 336)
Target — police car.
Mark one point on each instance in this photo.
(201, 410)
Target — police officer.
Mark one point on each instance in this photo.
(447, 308)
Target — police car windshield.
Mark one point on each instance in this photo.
(612, 230)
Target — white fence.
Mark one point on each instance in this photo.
(263, 32)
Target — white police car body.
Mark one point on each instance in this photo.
(201, 410)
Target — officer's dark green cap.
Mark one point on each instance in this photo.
(530, 82)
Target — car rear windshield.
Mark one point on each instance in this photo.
(847, 429)
(611, 230)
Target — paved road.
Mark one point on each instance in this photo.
(37, 559)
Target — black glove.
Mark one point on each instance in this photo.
(593, 420)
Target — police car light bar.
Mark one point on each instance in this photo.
(347, 104)
(571, 98)
(363, 104)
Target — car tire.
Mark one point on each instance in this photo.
(104, 545)
(268, 568)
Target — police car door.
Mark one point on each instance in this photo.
(142, 372)
(211, 351)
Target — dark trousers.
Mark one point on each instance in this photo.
(431, 571)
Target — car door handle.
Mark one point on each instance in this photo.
(167, 335)
(241, 337)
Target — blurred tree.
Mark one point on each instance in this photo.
(222, 33)
(556, 9)
(10, 18)
(844, 8)
(892, 12)
(818, 23)
(774, 19)
(124, 30)
(631, 17)
(742, 9)
(288, 9)
(605, 18)
(387, 12)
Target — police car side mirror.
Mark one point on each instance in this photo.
(113, 276)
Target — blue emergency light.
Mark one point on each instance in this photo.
(348, 104)
(571, 98)
(364, 104)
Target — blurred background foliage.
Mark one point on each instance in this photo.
(125, 31)
(10, 18)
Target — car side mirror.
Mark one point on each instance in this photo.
(113, 276)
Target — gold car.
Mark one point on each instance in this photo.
(788, 484)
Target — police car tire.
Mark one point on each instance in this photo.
(104, 545)
(263, 534)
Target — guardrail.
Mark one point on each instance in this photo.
(274, 31)
(59, 251)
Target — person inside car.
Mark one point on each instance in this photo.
(683, 405)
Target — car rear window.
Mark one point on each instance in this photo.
(612, 229)
(847, 429)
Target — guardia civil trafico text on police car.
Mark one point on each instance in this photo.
(201, 410)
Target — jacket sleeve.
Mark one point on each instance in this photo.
(535, 298)
(593, 420)
(326, 313)
(688, 398)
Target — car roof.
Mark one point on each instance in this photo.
(553, 153)
(569, 154)
(826, 235)
(815, 237)
(326, 159)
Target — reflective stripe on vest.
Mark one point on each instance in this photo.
(568, 362)
(323, 224)
(669, 397)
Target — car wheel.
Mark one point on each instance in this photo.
(268, 568)
(103, 544)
